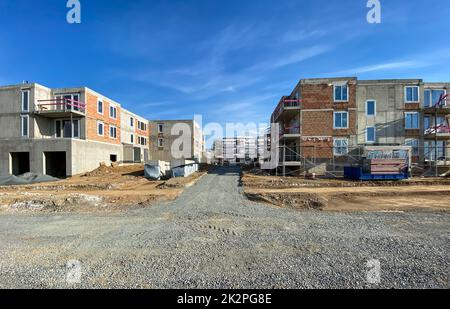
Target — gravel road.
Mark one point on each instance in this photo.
(212, 237)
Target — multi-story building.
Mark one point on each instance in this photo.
(176, 139)
(236, 150)
(135, 137)
(59, 132)
(324, 122)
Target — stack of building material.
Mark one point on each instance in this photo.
(384, 166)
(156, 169)
(185, 170)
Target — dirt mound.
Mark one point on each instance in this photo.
(305, 201)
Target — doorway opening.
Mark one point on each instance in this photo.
(20, 163)
(55, 164)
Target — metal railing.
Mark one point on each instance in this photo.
(61, 104)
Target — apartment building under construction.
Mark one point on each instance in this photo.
(65, 131)
(238, 150)
(324, 123)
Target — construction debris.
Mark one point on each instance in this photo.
(27, 178)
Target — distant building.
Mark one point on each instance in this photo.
(176, 139)
(238, 150)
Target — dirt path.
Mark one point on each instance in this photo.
(213, 237)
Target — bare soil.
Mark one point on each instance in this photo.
(342, 195)
(106, 188)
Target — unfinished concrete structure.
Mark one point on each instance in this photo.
(238, 150)
(134, 137)
(58, 132)
(176, 139)
(324, 122)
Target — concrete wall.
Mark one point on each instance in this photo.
(191, 142)
(87, 155)
(36, 148)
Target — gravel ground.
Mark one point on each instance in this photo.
(212, 237)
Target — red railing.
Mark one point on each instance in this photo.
(61, 105)
(440, 129)
(442, 101)
(284, 103)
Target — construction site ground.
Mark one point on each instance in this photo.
(104, 189)
(211, 236)
(341, 195)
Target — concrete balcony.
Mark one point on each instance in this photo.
(286, 109)
(441, 132)
(61, 108)
(290, 134)
(443, 110)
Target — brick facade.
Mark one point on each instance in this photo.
(92, 117)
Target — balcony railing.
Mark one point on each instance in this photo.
(442, 129)
(285, 103)
(61, 105)
(290, 130)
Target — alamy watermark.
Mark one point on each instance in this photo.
(374, 14)
(74, 272)
(373, 274)
(74, 14)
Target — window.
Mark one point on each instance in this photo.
(431, 148)
(26, 101)
(412, 121)
(113, 158)
(113, 132)
(100, 128)
(24, 125)
(113, 112)
(100, 107)
(340, 146)
(412, 94)
(160, 128)
(341, 120)
(142, 126)
(66, 129)
(414, 143)
(370, 135)
(432, 97)
(131, 122)
(341, 93)
(132, 138)
(371, 108)
(143, 141)
(160, 142)
(76, 128)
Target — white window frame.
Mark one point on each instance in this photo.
(103, 128)
(22, 101)
(418, 120)
(335, 147)
(132, 138)
(334, 121)
(98, 105)
(132, 122)
(112, 115)
(374, 108)
(111, 129)
(160, 128)
(431, 96)
(406, 94)
(22, 122)
(374, 135)
(334, 93)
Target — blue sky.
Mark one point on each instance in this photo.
(227, 60)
